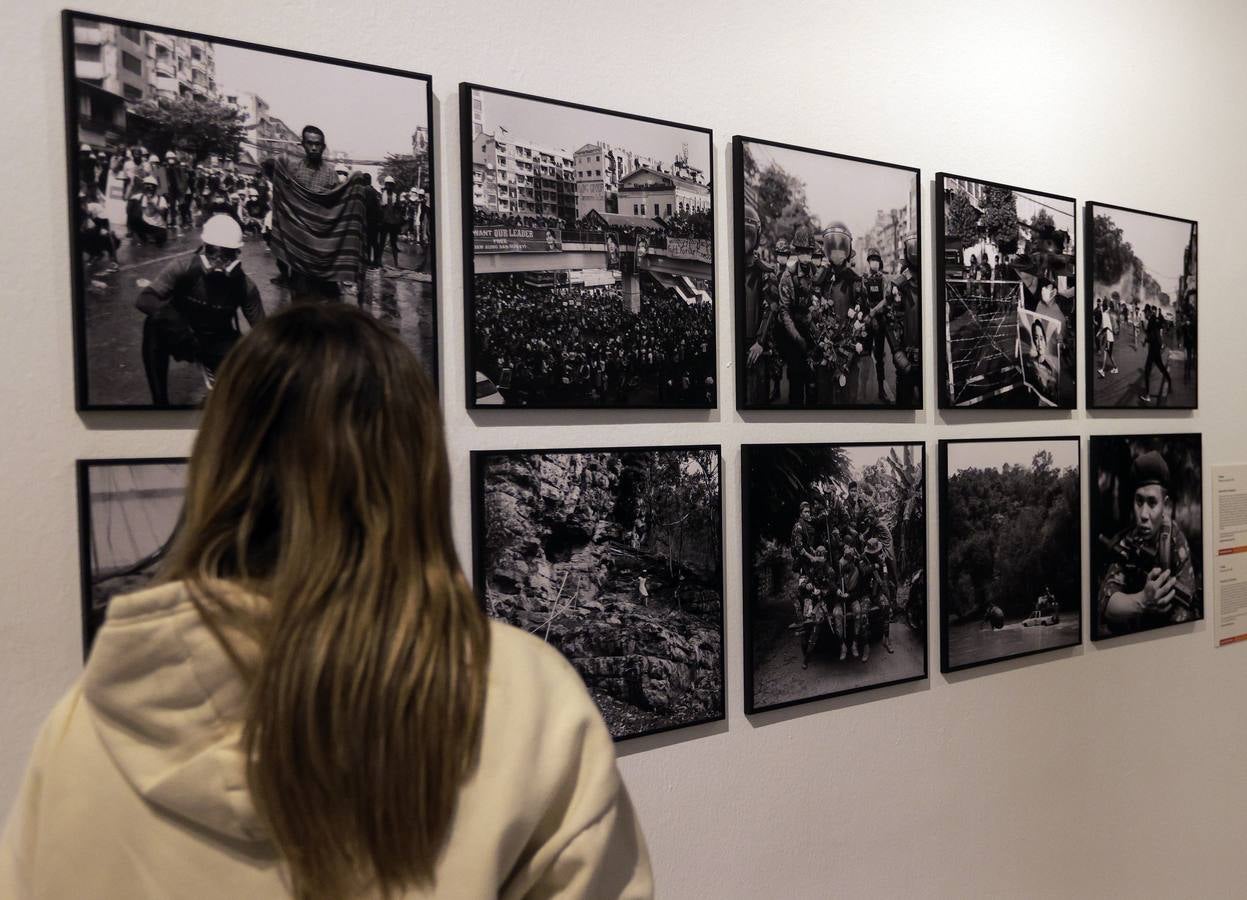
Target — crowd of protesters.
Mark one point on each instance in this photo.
(130, 194)
(574, 345)
(1115, 319)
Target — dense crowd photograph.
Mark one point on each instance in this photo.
(591, 260)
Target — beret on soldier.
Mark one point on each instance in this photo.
(1150, 468)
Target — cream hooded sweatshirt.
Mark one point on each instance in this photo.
(135, 788)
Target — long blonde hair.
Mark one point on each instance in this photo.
(319, 482)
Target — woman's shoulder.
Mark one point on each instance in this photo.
(531, 682)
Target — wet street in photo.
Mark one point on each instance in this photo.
(399, 295)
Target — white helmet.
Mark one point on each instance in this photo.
(222, 231)
(389, 179)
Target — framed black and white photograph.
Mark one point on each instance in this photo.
(128, 510)
(835, 569)
(1142, 342)
(1147, 527)
(1005, 271)
(213, 181)
(828, 280)
(615, 557)
(588, 246)
(1010, 549)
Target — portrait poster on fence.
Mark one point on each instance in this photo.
(213, 182)
(1141, 335)
(1007, 296)
(1147, 524)
(128, 510)
(835, 569)
(828, 280)
(615, 557)
(1010, 549)
(588, 246)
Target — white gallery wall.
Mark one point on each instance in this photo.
(1110, 770)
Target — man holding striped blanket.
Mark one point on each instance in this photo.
(318, 224)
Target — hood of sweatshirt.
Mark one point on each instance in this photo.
(167, 703)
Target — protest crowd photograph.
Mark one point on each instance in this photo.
(215, 183)
(1141, 346)
(829, 280)
(835, 569)
(1006, 272)
(615, 557)
(588, 256)
(1147, 523)
(1011, 551)
(129, 510)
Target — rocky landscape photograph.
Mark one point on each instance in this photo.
(614, 557)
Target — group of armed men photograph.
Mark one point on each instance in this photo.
(829, 279)
(835, 569)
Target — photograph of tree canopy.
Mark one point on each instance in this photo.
(615, 557)
(1010, 549)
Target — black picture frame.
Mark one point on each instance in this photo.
(1187, 281)
(466, 138)
(78, 280)
(479, 461)
(943, 369)
(1108, 456)
(744, 330)
(749, 612)
(93, 616)
(1073, 567)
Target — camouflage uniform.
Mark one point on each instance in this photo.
(1137, 555)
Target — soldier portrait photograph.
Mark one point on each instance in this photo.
(1005, 274)
(588, 256)
(215, 183)
(835, 569)
(1141, 346)
(828, 280)
(1147, 528)
(1010, 549)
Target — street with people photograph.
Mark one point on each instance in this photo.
(217, 184)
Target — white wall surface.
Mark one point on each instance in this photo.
(1112, 770)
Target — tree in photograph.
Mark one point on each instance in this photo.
(408, 171)
(782, 205)
(962, 218)
(1000, 217)
(202, 128)
(1014, 532)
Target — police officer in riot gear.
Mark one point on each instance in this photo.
(837, 282)
(1151, 580)
(875, 286)
(760, 287)
(905, 326)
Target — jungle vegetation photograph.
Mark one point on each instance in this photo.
(615, 557)
(1010, 546)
